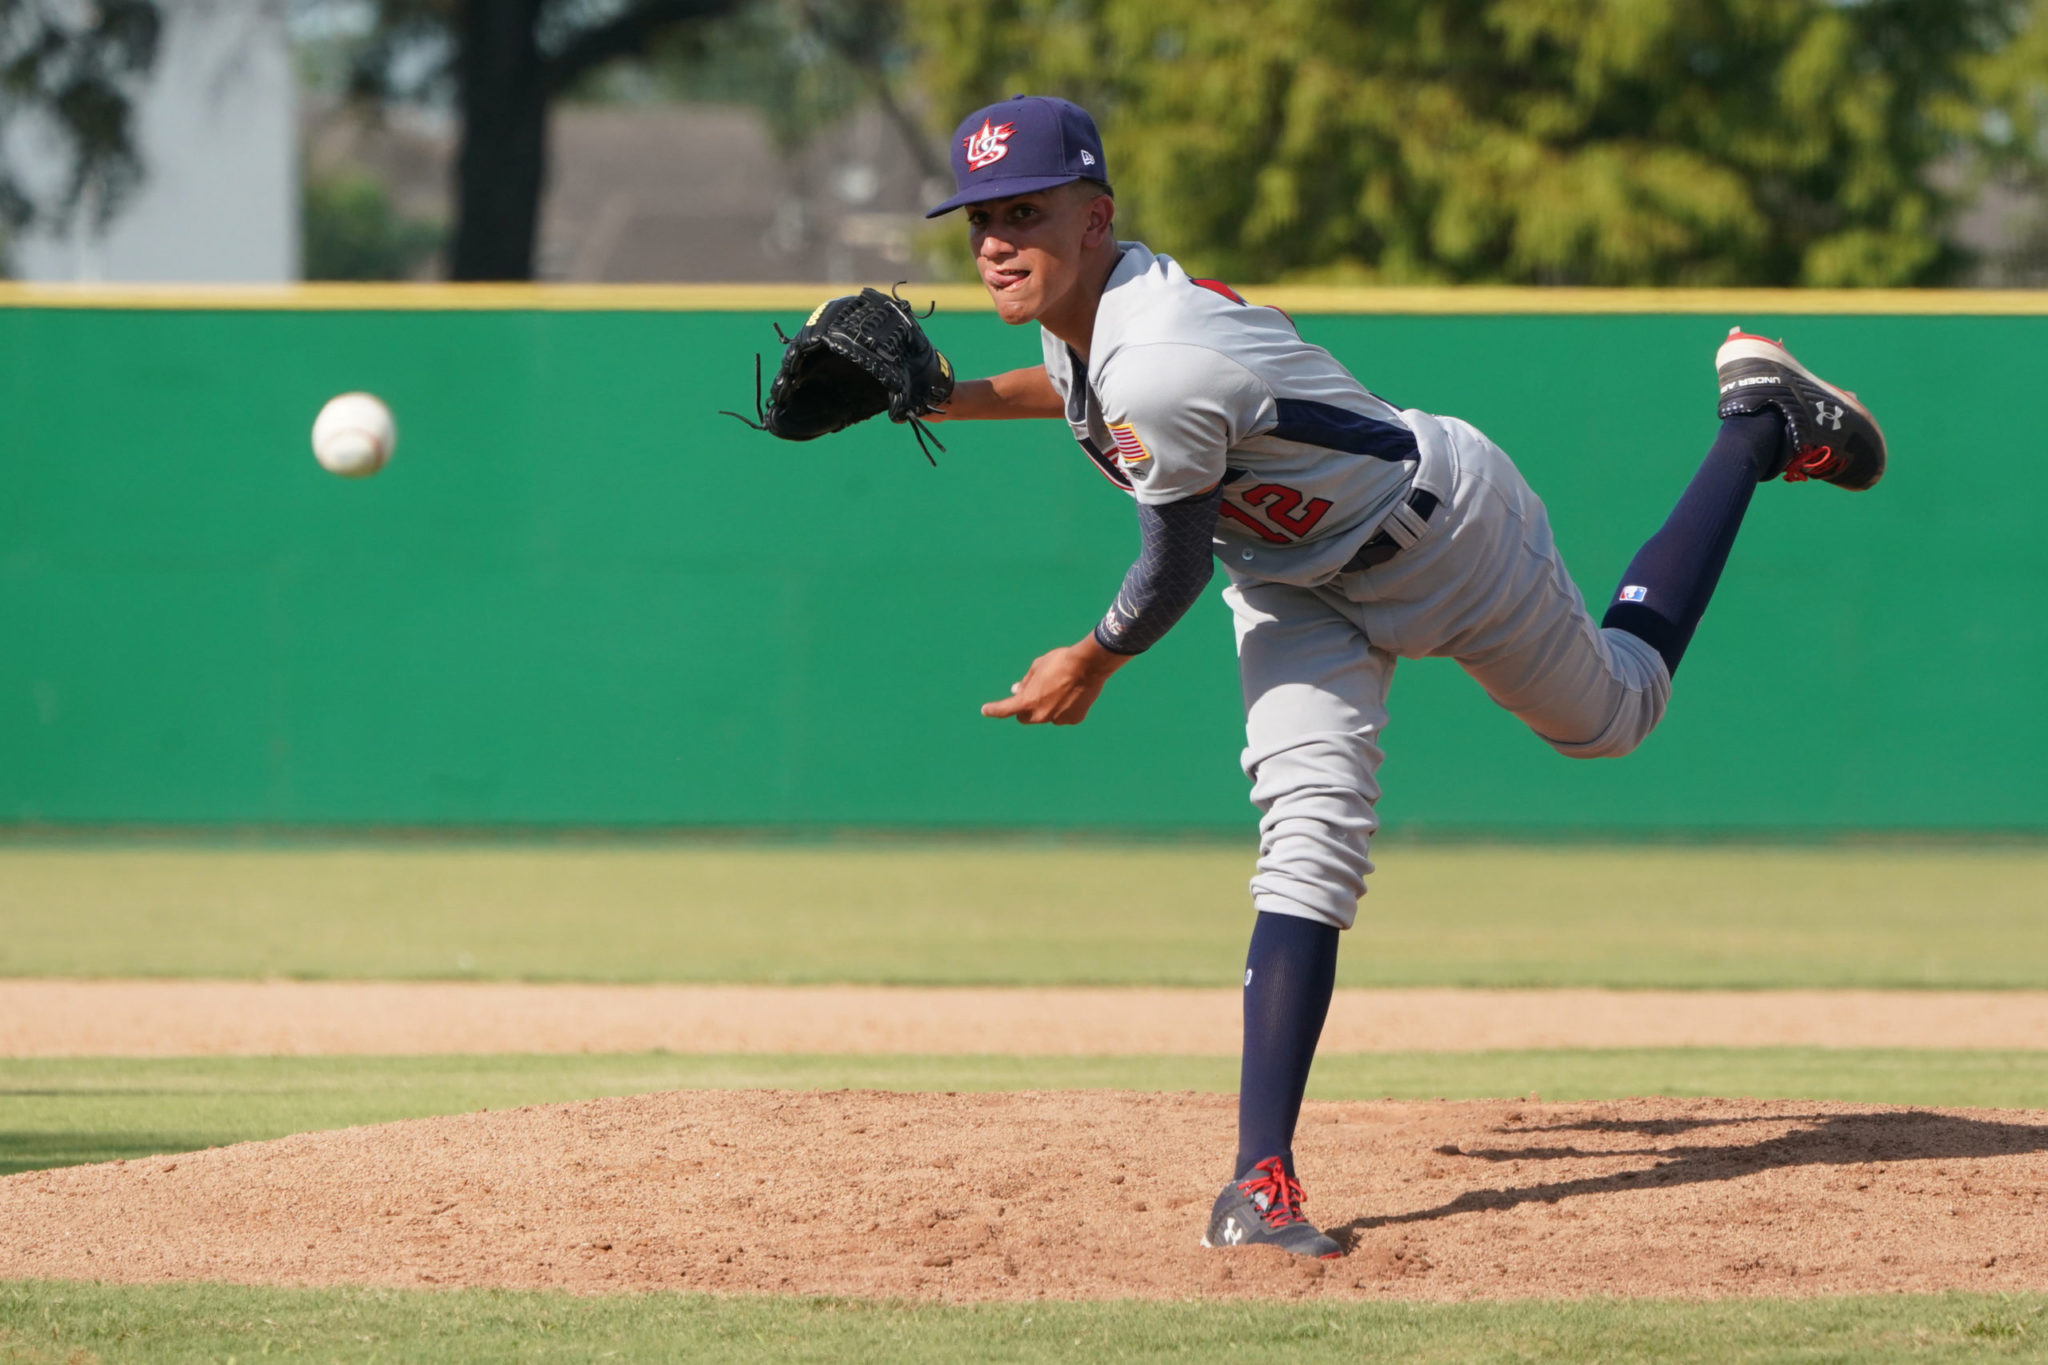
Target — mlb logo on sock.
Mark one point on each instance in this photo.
(1634, 594)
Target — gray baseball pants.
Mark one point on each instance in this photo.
(1481, 583)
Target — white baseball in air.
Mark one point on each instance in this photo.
(354, 435)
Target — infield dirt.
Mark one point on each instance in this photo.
(1073, 1195)
(172, 1018)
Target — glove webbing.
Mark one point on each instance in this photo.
(759, 422)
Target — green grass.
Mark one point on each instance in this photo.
(72, 1322)
(60, 1112)
(1152, 913)
(1846, 915)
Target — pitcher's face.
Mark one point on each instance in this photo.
(1031, 248)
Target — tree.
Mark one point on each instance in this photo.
(72, 71)
(507, 61)
(2014, 210)
(866, 37)
(351, 231)
(1606, 142)
(802, 65)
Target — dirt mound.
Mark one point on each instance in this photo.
(1073, 1195)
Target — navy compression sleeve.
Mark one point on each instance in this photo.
(1172, 569)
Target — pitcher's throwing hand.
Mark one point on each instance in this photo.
(1060, 686)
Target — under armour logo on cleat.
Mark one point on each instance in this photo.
(1233, 1231)
(1829, 419)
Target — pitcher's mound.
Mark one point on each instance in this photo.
(1084, 1194)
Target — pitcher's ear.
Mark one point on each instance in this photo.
(1101, 217)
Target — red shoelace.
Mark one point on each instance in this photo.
(1283, 1194)
(1815, 463)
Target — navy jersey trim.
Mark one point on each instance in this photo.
(1077, 417)
(1109, 467)
(1077, 389)
(1334, 428)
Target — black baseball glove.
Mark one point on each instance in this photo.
(857, 356)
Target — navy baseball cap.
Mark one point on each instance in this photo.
(1025, 143)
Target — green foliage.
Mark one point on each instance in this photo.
(2011, 85)
(73, 71)
(1597, 142)
(763, 55)
(352, 232)
(160, 1324)
(802, 65)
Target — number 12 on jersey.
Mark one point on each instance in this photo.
(1290, 518)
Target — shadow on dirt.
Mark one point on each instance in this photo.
(1826, 1140)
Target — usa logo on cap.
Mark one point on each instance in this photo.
(987, 145)
(1023, 144)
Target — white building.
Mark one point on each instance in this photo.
(216, 129)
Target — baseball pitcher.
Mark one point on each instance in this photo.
(1352, 533)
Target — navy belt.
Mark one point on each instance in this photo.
(1383, 547)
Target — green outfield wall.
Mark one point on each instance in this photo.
(579, 596)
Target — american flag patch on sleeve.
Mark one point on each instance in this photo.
(1129, 448)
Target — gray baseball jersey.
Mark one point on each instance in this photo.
(1187, 386)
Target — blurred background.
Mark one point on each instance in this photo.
(582, 597)
(1602, 142)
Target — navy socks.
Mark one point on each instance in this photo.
(1665, 591)
(1289, 974)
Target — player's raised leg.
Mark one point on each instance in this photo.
(1778, 418)
(1485, 585)
(1594, 693)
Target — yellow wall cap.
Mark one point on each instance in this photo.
(801, 298)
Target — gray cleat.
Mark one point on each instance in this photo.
(1264, 1209)
(1833, 436)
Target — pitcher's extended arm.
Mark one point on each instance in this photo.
(1016, 393)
